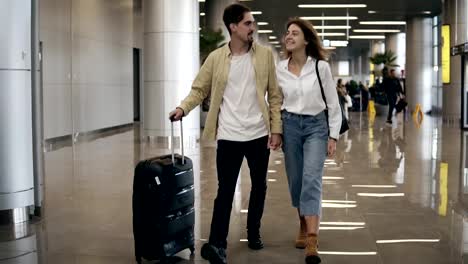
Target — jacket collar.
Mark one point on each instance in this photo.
(227, 50)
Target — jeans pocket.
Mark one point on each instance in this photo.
(322, 116)
(285, 115)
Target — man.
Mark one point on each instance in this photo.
(393, 90)
(364, 96)
(238, 75)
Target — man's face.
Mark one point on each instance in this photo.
(244, 29)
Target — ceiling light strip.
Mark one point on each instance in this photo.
(332, 27)
(331, 34)
(382, 22)
(329, 18)
(367, 37)
(332, 6)
(339, 43)
(376, 30)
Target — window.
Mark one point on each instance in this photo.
(343, 68)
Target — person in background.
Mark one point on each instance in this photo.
(393, 90)
(345, 100)
(364, 96)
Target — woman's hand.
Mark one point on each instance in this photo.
(331, 147)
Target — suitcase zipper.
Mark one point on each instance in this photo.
(186, 190)
(182, 172)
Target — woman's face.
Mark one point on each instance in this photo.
(294, 39)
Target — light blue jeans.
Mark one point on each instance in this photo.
(305, 139)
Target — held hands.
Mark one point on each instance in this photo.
(274, 141)
(331, 150)
(176, 115)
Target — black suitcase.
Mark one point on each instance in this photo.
(163, 206)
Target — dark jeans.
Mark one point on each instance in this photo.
(391, 105)
(229, 157)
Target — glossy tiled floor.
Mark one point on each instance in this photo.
(385, 188)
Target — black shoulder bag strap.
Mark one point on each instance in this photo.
(321, 90)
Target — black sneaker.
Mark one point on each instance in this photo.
(213, 254)
(313, 260)
(255, 242)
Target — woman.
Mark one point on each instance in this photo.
(345, 100)
(307, 136)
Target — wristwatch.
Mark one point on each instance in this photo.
(333, 139)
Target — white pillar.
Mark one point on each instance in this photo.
(397, 44)
(171, 62)
(455, 15)
(419, 69)
(365, 67)
(16, 151)
(378, 46)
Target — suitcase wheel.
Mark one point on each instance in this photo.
(192, 250)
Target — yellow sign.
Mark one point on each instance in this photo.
(372, 113)
(446, 53)
(418, 116)
(371, 77)
(443, 189)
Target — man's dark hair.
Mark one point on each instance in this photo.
(385, 71)
(234, 14)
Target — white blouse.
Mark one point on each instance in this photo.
(302, 94)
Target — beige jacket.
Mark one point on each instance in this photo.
(213, 77)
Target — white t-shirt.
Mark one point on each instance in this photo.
(240, 117)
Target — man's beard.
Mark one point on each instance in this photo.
(250, 38)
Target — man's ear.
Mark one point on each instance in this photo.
(232, 26)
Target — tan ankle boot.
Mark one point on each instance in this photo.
(311, 250)
(301, 239)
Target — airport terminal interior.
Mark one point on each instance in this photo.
(86, 91)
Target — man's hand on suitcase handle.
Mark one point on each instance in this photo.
(176, 115)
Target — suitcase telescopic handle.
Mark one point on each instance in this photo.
(181, 141)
